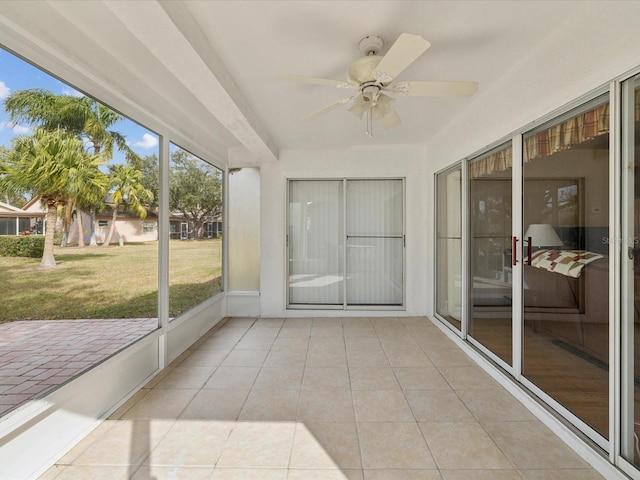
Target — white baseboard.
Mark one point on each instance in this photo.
(243, 304)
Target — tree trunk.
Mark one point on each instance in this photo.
(92, 238)
(112, 227)
(48, 259)
(81, 243)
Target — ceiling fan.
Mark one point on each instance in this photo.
(373, 76)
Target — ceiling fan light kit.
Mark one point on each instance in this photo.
(372, 76)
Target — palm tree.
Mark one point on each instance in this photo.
(127, 190)
(81, 116)
(87, 185)
(45, 164)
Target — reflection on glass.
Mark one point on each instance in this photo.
(195, 219)
(490, 252)
(565, 272)
(449, 246)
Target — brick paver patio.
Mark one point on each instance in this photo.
(37, 356)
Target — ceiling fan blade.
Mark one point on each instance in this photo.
(402, 53)
(436, 89)
(316, 81)
(327, 109)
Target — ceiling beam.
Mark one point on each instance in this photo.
(173, 36)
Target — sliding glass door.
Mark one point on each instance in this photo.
(449, 246)
(565, 220)
(491, 275)
(346, 243)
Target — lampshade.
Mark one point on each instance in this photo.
(543, 235)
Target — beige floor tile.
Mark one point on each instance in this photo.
(94, 472)
(376, 406)
(128, 442)
(463, 445)
(326, 405)
(205, 358)
(450, 358)
(326, 343)
(52, 472)
(393, 445)
(245, 358)
(238, 322)
(326, 358)
(293, 331)
(249, 474)
(325, 445)
(531, 445)
(367, 357)
(269, 322)
(382, 378)
(162, 403)
(436, 341)
(359, 330)
(469, 378)
(186, 377)
(437, 406)
(297, 322)
(562, 474)
(255, 342)
(494, 406)
(480, 475)
(362, 343)
(191, 443)
(324, 474)
(329, 377)
(152, 472)
(290, 344)
(270, 405)
(285, 358)
(126, 406)
(274, 378)
(388, 474)
(233, 378)
(326, 331)
(98, 432)
(421, 378)
(215, 404)
(408, 357)
(258, 445)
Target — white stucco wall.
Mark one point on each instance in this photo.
(357, 162)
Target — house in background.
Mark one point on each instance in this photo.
(28, 220)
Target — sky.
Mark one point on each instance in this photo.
(16, 74)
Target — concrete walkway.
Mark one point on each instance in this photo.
(37, 356)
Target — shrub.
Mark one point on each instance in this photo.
(21, 246)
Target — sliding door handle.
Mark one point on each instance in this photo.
(529, 251)
(514, 251)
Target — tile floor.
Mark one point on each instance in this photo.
(326, 399)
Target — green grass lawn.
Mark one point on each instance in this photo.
(114, 282)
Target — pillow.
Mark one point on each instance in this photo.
(565, 262)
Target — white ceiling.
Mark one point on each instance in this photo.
(209, 69)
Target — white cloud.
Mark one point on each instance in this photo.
(17, 129)
(21, 130)
(148, 141)
(4, 90)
